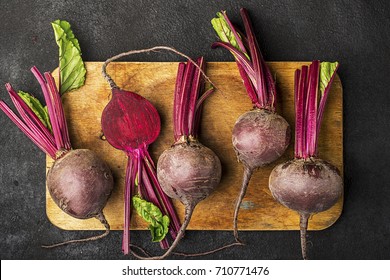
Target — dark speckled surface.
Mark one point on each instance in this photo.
(356, 33)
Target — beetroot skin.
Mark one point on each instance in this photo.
(80, 183)
(260, 137)
(306, 186)
(189, 172)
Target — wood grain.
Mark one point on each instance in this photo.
(155, 81)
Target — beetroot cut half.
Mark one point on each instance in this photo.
(131, 123)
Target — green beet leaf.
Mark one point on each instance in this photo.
(222, 28)
(327, 70)
(36, 106)
(158, 223)
(72, 69)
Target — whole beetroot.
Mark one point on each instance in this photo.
(188, 171)
(79, 182)
(259, 136)
(308, 184)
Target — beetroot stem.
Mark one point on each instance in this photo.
(50, 107)
(34, 125)
(255, 58)
(196, 86)
(312, 108)
(298, 121)
(140, 168)
(235, 33)
(240, 58)
(26, 130)
(248, 85)
(254, 71)
(129, 185)
(176, 104)
(23, 109)
(64, 134)
(184, 99)
(300, 114)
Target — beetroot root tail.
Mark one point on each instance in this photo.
(100, 216)
(245, 182)
(303, 222)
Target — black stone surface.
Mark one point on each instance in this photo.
(356, 33)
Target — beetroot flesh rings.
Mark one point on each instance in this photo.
(308, 184)
(259, 136)
(79, 182)
(136, 114)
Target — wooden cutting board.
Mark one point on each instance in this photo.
(155, 81)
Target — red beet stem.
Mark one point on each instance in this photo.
(196, 88)
(177, 108)
(32, 126)
(51, 151)
(59, 110)
(235, 33)
(255, 56)
(129, 190)
(250, 89)
(50, 107)
(188, 99)
(184, 99)
(35, 126)
(30, 119)
(255, 73)
(312, 97)
(140, 169)
(309, 109)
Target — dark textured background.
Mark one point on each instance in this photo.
(356, 33)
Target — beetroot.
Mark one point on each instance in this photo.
(259, 136)
(79, 182)
(188, 171)
(308, 184)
